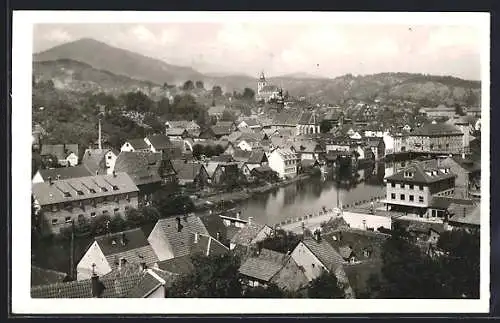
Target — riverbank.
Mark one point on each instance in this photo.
(238, 196)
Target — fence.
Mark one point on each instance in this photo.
(328, 211)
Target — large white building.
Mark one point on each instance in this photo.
(284, 162)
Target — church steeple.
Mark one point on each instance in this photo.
(262, 77)
(261, 83)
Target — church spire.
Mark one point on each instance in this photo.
(262, 77)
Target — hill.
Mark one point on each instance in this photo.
(67, 74)
(101, 58)
(118, 61)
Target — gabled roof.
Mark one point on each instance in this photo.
(290, 118)
(181, 242)
(186, 170)
(308, 118)
(207, 246)
(60, 151)
(251, 122)
(465, 215)
(218, 109)
(135, 249)
(325, 253)
(142, 167)
(263, 266)
(246, 234)
(64, 172)
(178, 265)
(138, 143)
(90, 187)
(467, 164)
(257, 157)
(357, 241)
(175, 131)
(419, 171)
(125, 283)
(41, 276)
(221, 130)
(241, 155)
(160, 142)
(437, 129)
(94, 160)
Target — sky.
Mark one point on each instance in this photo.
(320, 49)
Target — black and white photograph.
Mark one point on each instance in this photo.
(236, 157)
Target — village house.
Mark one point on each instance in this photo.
(473, 111)
(160, 144)
(468, 173)
(412, 189)
(216, 132)
(176, 133)
(148, 171)
(224, 173)
(250, 123)
(113, 251)
(55, 174)
(440, 111)
(182, 236)
(100, 161)
(377, 146)
(443, 138)
(286, 119)
(257, 158)
(182, 124)
(307, 124)
(66, 154)
(250, 141)
(334, 118)
(468, 218)
(216, 112)
(266, 267)
(250, 234)
(316, 255)
(64, 202)
(128, 282)
(190, 173)
(135, 145)
(307, 149)
(284, 162)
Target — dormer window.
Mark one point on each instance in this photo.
(408, 174)
(67, 194)
(115, 188)
(92, 191)
(79, 192)
(104, 189)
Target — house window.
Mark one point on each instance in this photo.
(421, 199)
(402, 197)
(421, 187)
(54, 221)
(67, 219)
(92, 214)
(109, 156)
(393, 185)
(411, 186)
(313, 265)
(393, 196)
(433, 213)
(411, 198)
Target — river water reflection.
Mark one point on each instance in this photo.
(310, 196)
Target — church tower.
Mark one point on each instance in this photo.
(261, 83)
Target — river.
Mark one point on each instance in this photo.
(310, 196)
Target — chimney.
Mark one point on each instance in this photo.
(218, 236)
(196, 237)
(50, 180)
(179, 225)
(122, 264)
(114, 174)
(142, 266)
(95, 283)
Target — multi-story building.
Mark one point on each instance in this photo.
(284, 162)
(437, 137)
(58, 204)
(440, 111)
(412, 189)
(307, 124)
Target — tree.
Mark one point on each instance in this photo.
(216, 91)
(459, 110)
(282, 241)
(325, 126)
(164, 108)
(228, 116)
(197, 151)
(213, 276)
(248, 94)
(200, 85)
(188, 85)
(325, 285)
(218, 150)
